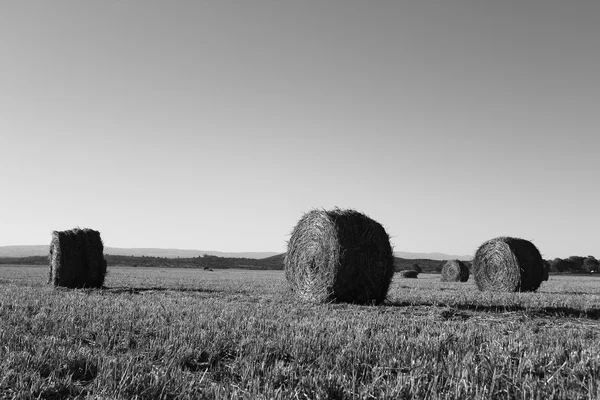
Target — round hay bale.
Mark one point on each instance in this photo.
(77, 259)
(455, 271)
(507, 264)
(339, 255)
(409, 273)
(546, 273)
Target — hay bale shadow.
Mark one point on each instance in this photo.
(142, 290)
(563, 312)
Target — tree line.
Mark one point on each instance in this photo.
(573, 264)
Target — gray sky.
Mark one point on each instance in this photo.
(216, 125)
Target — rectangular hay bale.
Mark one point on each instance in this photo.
(77, 259)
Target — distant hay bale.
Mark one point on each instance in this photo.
(339, 255)
(409, 273)
(77, 259)
(546, 273)
(506, 264)
(455, 271)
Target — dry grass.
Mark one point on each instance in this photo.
(231, 334)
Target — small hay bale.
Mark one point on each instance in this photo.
(339, 255)
(77, 259)
(507, 264)
(546, 274)
(409, 273)
(455, 271)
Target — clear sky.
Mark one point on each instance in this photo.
(215, 125)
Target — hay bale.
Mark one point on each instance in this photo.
(546, 273)
(455, 271)
(409, 273)
(339, 255)
(77, 259)
(507, 264)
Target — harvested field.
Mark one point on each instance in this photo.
(190, 333)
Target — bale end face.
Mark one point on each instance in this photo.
(339, 255)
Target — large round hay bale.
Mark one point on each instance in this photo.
(409, 273)
(455, 271)
(507, 264)
(339, 255)
(77, 259)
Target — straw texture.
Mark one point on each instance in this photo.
(507, 264)
(455, 271)
(339, 255)
(77, 259)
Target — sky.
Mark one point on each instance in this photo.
(216, 125)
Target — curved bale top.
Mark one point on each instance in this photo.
(455, 271)
(507, 264)
(339, 255)
(409, 273)
(77, 259)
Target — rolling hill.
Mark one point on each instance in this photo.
(42, 250)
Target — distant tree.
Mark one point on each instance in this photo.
(559, 265)
(415, 267)
(591, 264)
(575, 263)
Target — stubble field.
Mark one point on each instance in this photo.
(189, 333)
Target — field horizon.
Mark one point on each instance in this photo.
(42, 250)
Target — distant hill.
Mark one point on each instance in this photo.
(431, 256)
(42, 250)
(208, 261)
(23, 251)
(177, 253)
